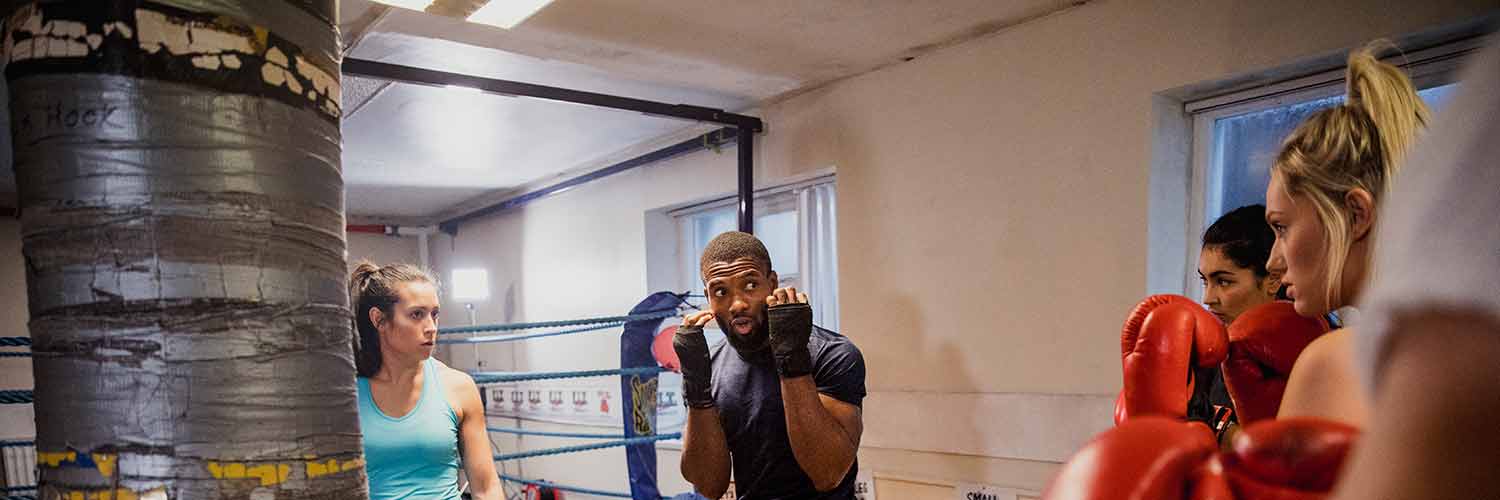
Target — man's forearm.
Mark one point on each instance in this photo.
(705, 454)
(823, 447)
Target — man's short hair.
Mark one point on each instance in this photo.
(734, 245)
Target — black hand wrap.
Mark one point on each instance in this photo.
(791, 325)
(697, 369)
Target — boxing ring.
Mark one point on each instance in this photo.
(641, 364)
(17, 456)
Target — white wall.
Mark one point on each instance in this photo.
(578, 254)
(382, 249)
(994, 203)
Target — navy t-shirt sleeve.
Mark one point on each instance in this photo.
(840, 370)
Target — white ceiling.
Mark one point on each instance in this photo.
(413, 151)
(754, 49)
(459, 143)
(448, 145)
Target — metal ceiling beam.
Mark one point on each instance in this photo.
(745, 129)
(710, 140)
(423, 76)
(746, 180)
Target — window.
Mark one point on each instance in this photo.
(1245, 145)
(775, 225)
(1236, 137)
(797, 225)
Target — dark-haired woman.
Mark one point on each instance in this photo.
(417, 415)
(1232, 267)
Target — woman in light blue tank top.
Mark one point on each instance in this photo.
(420, 419)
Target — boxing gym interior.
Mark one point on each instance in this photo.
(956, 249)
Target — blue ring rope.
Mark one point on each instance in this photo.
(563, 487)
(524, 336)
(16, 444)
(586, 447)
(9, 354)
(15, 397)
(648, 315)
(578, 435)
(15, 341)
(502, 377)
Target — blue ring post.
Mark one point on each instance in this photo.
(639, 394)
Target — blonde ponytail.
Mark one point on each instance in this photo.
(1357, 145)
(1390, 99)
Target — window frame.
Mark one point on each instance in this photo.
(1430, 67)
(768, 200)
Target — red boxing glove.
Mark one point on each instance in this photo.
(1164, 338)
(1158, 457)
(1209, 481)
(1263, 344)
(1146, 458)
(1120, 414)
(1288, 458)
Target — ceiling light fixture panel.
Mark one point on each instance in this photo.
(407, 4)
(507, 13)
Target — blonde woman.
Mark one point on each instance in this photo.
(1431, 336)
(1331, 175)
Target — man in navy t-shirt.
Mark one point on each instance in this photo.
(779, 401)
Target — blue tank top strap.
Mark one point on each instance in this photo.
(429, 380)
(1342, 317)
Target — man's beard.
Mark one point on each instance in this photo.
(754, 345)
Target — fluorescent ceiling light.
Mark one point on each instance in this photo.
(507, 13)
(407, 4)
